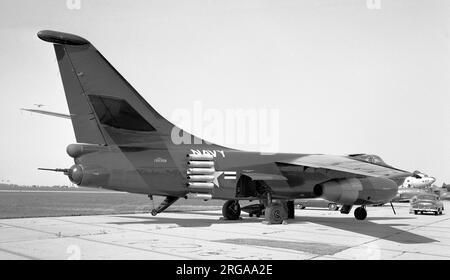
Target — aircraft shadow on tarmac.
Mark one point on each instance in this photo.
(191, 222)
(383, 231)
(388, 232)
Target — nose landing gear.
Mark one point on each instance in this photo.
(360, 213)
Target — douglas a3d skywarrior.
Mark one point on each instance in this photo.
(123, 144)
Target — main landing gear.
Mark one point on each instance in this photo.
(275, 212)
(231, 210)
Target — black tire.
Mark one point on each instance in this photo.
(276, 214)
(360, 213)
(250, 215)
(416, 212)
(290, 209)
(332, 207)
(231, 210)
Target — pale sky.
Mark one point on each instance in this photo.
(344, 78)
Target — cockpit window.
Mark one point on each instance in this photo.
(377, 159)
(370, 159)
(118, 113)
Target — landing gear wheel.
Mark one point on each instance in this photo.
(276, 214)
(154, 212)
(290, 209)
(360, 213)
(416, 212)
(231, 210)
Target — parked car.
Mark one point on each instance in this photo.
(427, 203)
(316, 202)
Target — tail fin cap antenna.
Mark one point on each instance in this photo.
(61, 38)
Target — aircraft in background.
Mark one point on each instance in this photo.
(418, 180)
(39, 105)
(123, 144)
(446, 186)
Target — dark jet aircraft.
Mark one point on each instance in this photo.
(124, 144)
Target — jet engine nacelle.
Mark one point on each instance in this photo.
(87, 176)
(357, 190)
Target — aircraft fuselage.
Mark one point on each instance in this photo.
(161, 171)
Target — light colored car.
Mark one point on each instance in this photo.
(426, 203)
(316, 202)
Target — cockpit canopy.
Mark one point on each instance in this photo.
(419, 175)
(369, 158)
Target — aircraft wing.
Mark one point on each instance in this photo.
(347, 165)
(43, 112)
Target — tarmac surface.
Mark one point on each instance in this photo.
(314, 234)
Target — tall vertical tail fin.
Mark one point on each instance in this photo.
(105, 109)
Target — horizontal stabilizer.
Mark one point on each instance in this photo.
(48, 113)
